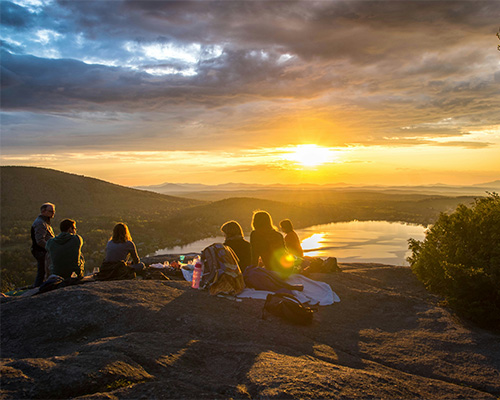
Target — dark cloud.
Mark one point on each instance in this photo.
(235, 76)
(15, 16)
(374, 66)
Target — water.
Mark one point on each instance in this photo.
(194, 247)
(354, 241)
(361, 241)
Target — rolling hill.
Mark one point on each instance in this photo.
(96, 205)
(24, 189)
(155, 220)
(158, 221)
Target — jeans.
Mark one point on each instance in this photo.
(40, 260)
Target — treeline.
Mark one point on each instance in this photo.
(154, 231)
(150, 233)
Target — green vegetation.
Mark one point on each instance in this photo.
(157, 221)
(460, 259)
(95, 205)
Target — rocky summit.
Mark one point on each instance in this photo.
(146, 339)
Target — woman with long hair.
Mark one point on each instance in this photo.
(268, 246)
(121, 248)
(235, 239)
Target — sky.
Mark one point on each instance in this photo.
(146, 92)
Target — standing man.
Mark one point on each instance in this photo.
(41, 232)
(66, 251)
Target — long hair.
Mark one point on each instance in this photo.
(232, 229)
(286, 225)
(121, 234)
(262, 221)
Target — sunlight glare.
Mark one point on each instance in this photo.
(310, 155)
(313, 242)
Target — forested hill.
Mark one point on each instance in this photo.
(158, 221)
(24, 189)
(155, 220)
(96, 205)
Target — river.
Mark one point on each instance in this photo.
(355, 241)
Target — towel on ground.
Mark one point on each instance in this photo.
(314, 293)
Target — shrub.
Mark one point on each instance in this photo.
(460, 259)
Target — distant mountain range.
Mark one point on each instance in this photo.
(242, 188)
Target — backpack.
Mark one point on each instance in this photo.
(287, 307)
(316, 264)
(221, 272)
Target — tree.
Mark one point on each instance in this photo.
(460, 259)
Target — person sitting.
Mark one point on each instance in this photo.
(121, 248)
(234, 239)
(66, 251)
(268, 245)
(292, 241)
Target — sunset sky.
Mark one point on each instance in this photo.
(146, 92)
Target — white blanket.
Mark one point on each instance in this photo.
(314, 293)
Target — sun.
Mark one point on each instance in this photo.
(310, 155)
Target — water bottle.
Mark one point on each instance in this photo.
(196, 276)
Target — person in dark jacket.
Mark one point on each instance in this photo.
(234, 239)
(41, 232)
(66, 251)
(292, 241)
(268, 245)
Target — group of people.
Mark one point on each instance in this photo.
(62, 254)
(267, 247)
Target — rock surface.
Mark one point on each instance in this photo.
(387, 338)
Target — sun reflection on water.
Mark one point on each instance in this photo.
(313, 242)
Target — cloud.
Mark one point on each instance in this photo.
(15, 16)
(159, 73)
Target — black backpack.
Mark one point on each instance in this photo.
(289, 308)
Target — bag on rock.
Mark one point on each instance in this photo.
(316, 264)
(287, 307)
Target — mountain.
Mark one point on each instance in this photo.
(96, 205)
(158, 221)
(174, 187)
(24, 189)
(217, 192)
(148, 339)
(493, 184)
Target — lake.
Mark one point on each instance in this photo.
(354, 241)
